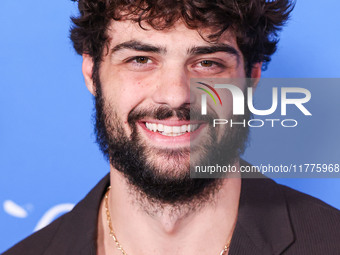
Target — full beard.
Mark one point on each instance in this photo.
(161, 177)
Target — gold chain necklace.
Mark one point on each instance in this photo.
(112, 234)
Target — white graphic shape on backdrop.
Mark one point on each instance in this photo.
(14, 210)
(52, 213)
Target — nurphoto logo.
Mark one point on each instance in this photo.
(238, 103)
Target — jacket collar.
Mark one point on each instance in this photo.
(77, 232)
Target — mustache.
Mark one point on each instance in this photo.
(164, 112)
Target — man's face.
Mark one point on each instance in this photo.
(145, 99)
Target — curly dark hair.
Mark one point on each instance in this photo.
(255, 22)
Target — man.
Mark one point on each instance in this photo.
(138, 60)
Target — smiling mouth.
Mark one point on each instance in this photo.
(171, 130)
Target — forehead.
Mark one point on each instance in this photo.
(177, 36)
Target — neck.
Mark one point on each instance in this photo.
(144, 227)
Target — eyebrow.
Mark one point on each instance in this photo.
(138, 46)
(199, 50)
(221, 47)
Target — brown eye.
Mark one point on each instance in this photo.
(142, 60)
(206, 63)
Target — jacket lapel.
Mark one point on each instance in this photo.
(263, 224)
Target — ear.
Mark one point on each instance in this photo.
(256, 74)
(87, 72)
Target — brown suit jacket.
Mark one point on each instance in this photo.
(273, 219)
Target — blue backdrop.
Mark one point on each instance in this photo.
(49, 160)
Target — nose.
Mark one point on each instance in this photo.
(173, 89)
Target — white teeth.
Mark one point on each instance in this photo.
(167, 129)
(194, 127)
(176, 129)
(171, 130)
(160, 127)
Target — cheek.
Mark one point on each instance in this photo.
(224, 111)
(125, 92)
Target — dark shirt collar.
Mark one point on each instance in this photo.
(77, 233)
